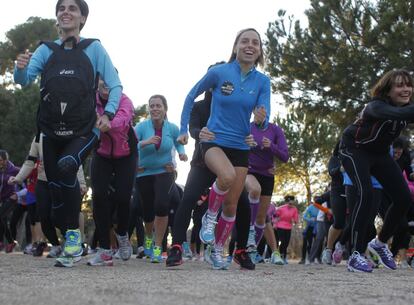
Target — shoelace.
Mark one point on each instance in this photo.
(217, 255)
(385, 251)
(360, 260)
(252, 238)
(72, 241)
(211, 224)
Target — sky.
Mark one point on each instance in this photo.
(163, 46)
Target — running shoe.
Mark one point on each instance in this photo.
(358, 263)
(125, 248)
(258, 259)
(101, 258)
(64, 261)
(187, 254)
(252, 252)
(327, 256)
(337, 254)
(73, 243)
(156, 255)
(207, 254)
(251, 241)
(229, 259)
(383, 253)
(276, 259)
(285, 260)
(148, 247)
(140, 252)
(9, 247)
(175, 256)
(55, 251)
(39, 249)
(242, 258)
(217, 258)
(208, 225)
(28, 249)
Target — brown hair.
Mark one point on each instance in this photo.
(260, 59)
(83, 7)
(383, 87)
(163, 100)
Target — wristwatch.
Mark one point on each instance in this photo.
(110, 115)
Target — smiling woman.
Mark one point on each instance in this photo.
(364, 151)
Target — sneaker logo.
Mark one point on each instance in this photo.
(67, 72)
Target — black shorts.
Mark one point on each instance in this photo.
(237, 157)
(266, 183)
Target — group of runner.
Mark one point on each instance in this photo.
(83, 110)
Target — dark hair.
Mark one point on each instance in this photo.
(4, 155)
(260, 59)
(289, 198)
(383, 87)
(83, 7)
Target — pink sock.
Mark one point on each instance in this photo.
(259, 232)
(223, 229)
(254, 207)
(215, 199)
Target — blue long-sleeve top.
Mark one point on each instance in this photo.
(154, 160)
(100, 61)
(235, 96)
(309, 216)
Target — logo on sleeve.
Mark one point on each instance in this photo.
(227, 88)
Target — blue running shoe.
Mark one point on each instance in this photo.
(187, 254)
(148, 247)
(384, 254)
(73, 243)
(156, 255)
(358, 263)
(207, 254)
(217, 259)
(208, 225)
(251, 241)
(125, 248)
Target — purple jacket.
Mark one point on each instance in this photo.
(114, 143)
(7, 190)
(261, 158)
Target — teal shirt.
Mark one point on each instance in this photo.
(152, 160)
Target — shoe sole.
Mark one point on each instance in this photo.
(104, 264)
(352, 269)
(174, 264)
(60, 264)
(372, 250)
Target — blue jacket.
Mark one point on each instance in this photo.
(152, 160)
(235, 96)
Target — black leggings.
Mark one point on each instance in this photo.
(155, 193)
(120, 174)
(198, 213)
(351, 200)
(199, 180)
(44, 209)
(17, 216)
(360, 165)
(61, 159)
(283, 237)
(6, 209)
(338, 206)
(135, 218)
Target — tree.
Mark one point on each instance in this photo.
(310, 140)
(25, 36)
(330, 66)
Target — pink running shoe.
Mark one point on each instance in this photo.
(337, 254)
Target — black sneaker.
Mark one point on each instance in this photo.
(175, 256)
(38, 249)
(242, 258)
(140, 252)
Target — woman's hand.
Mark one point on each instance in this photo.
(23, 60)
(183, 139)
(206, 135)
(249, 140)
(183, 157)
